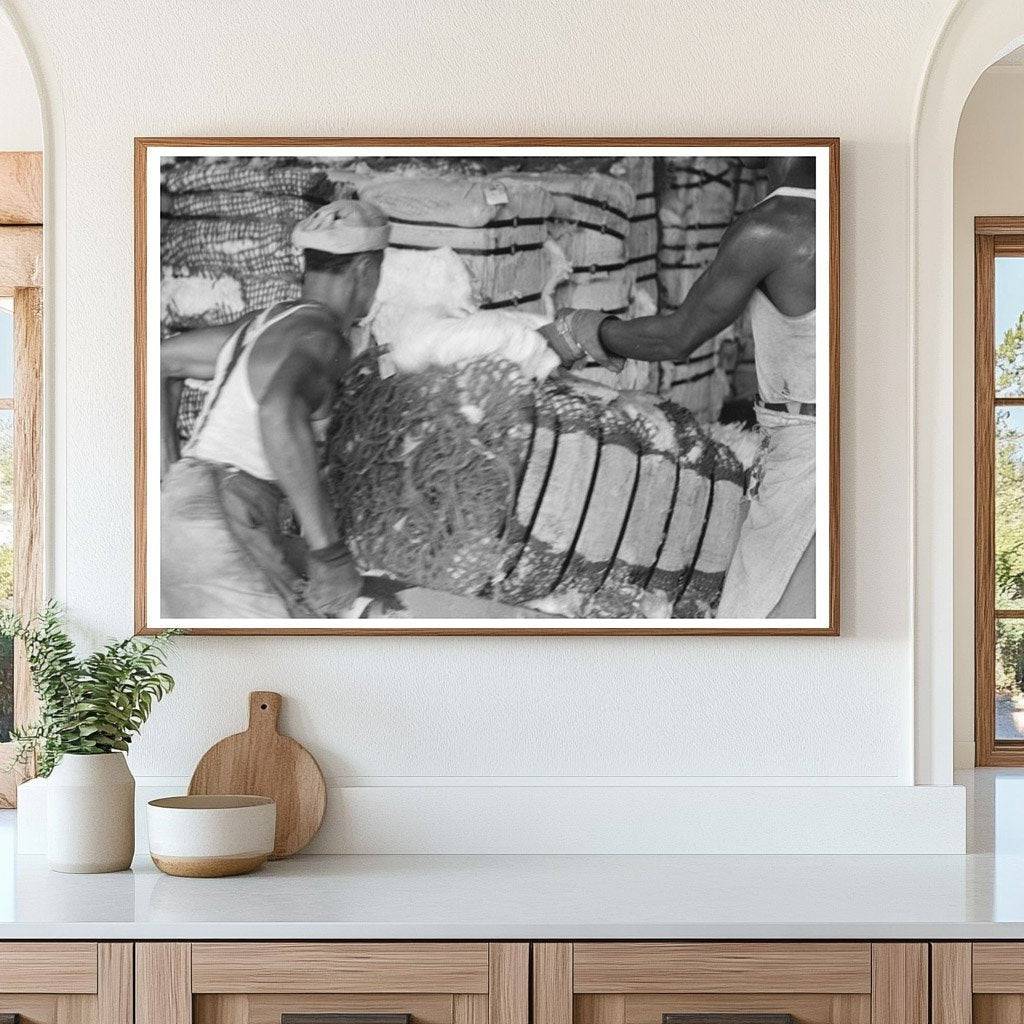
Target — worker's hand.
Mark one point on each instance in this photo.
(334, 581)
(575, 337)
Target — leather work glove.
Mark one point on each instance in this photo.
(575, 337)
(334, 581)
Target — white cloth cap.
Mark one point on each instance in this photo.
(344, 226)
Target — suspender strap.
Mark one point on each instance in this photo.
(244, 337)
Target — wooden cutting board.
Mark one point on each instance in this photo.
(262, 762)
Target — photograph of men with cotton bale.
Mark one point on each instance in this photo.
(470, 387)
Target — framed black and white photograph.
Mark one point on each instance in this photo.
(530, 386)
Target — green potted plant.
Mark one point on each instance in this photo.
(89, 710)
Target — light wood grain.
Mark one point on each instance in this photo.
(600, 1009)
(34, 1009)
(115, 991)
(339, 967)
(76, 1010)
(208, 867)
(951, 983)
(28, 482)
(467, 1008)
(141, 358)
(998, 967)
(267, 1008)
(851, 1009)
(831, 144)
(21, 258)
(997, 1009)
(552, 983)
(899, 990)
(28, 490)
(994, 236)
(509, 983)
(48, 967)
(163, 983)
(806, 1008)
(998, 225)
(21, 188)
(984, 502)
(722, 967)
(262, 762)
(228, 1009)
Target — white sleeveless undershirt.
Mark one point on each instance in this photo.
(228, 427)
(784, 346)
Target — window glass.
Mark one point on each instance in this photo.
(1009, 327)
(1009, 510)
(1009, 679)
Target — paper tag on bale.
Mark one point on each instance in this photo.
(496, 194)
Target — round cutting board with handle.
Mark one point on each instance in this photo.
(262, 762)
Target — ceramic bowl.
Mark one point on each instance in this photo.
(211, 836)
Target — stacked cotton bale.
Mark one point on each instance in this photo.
(642, 236)
(697, 205)
(590, 223)
(226, 227)
(225, 242)
(581, 503)
(497, 226)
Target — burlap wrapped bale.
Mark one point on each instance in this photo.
(241, 247)
(250, 205)
(474, 481)
(556, 521)
(276, 176)
(703, 588)
(611, 492)
(423, 470)
(199, 300)
(498, 227)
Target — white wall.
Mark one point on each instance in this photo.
(21, 125)
(446, 712)
(988, 181)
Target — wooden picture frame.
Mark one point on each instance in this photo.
(826, 621)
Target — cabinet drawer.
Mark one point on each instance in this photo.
(735, 982)
(48, 967)
(66, 982)
(630, 967)
(340, 967)
(981, 982)
(262, 982)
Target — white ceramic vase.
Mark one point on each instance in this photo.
(90, 814)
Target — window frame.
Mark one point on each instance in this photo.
(21, 252)
(993, 237)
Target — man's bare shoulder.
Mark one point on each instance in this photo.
(778, 217)
(313, 329)
(779, 225)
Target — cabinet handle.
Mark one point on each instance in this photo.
(728, 1018)
(337, 1018)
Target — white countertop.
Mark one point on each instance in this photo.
(532, 897)
(978, 896)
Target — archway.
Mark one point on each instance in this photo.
(976, 33)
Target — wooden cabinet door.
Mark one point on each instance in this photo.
(66, 982)
(747, 982)
(979, 982)
(263, 982)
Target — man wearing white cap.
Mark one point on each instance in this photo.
(224, 554)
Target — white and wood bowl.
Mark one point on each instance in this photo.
(211, 836)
